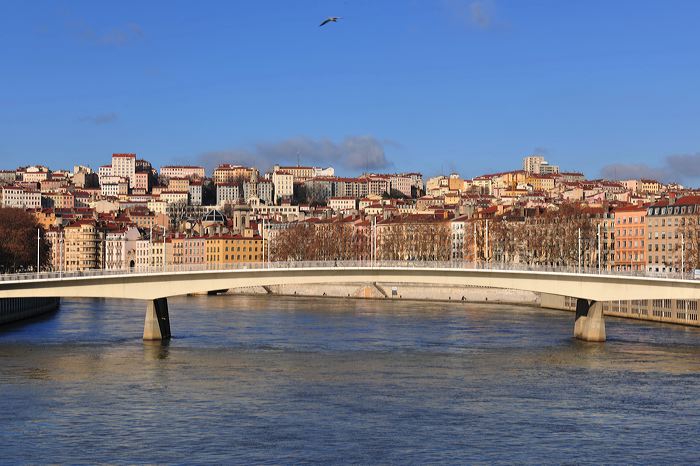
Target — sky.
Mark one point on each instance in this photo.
(609, 88)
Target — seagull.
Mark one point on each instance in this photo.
(331, 19)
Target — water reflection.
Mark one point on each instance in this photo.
(154, 350)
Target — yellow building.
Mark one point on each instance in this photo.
(509, 180)
(650, 186)
(541, 182)
(82, 246)
(231, 249)
(227, 173)
(178, 184)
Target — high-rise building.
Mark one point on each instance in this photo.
(536, 164)
(124, 166)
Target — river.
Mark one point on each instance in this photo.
(265, 379)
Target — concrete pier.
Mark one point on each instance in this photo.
(157, 323)
(590, 324)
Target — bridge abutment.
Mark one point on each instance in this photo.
(157, 323)
(590, 324)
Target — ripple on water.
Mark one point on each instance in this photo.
(289, 380)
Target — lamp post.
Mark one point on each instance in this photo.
(61, 248)
(38, 247)
(682, 255)
(599, 245)
(164, 257)
(474, 242)
(579, 250)
(487, 256)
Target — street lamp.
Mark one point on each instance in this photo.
(599, 248)
(682, 255)
(579, 250)
(38, 247)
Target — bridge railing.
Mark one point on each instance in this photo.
(454, 264)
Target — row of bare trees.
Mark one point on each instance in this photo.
(396, 240)
(550, 238)
(414, 240)
(327, 241)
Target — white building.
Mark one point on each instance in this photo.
(288, 212)
(182, 171)
(115, 187)
(227, 193)
(536, 164)
(323, 172)
(104, 171)
(21, 198)
(120, 248)
(195, 191)
(174, 197)
(342, 204)
(401, 183)
(124, 165)
(266, 191)
(35, 174)
(458, 234)
(284, 184)
(416, 179)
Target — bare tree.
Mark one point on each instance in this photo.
(18, 245)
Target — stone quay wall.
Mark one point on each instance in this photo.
(14, 309)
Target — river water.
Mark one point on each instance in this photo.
(295, 380)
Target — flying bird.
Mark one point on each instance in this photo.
(331, 19)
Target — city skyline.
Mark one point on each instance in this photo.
(465, 86)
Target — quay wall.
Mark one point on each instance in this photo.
(14, 309)
(416, 291)
(675, 311)
(672, 311)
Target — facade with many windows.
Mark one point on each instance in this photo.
(630, 238)
(229, 249)
(670, 225)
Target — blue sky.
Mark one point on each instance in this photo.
(599, 86)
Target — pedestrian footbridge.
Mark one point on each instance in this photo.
(155, 286)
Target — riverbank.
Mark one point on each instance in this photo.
(672, 311)
(388, 290)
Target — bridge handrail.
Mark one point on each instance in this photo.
(453, 264)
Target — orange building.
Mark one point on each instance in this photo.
(630, 234)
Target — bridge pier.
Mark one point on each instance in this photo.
(590, 324)
(157, 323)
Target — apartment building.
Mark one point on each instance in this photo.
(82, 246)
(283, 183)
(227, 173)
(124, 166)
(230, 249)
(227, 193)
(21, 198)
(182, 171)
(669, 223)
(630, 237)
